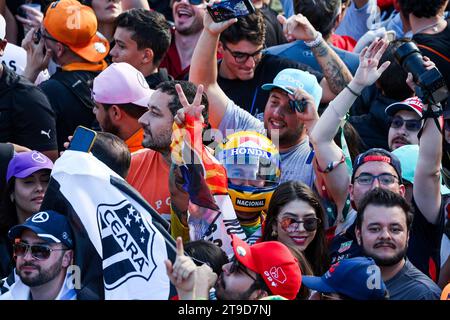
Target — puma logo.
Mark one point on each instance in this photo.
(46, 133)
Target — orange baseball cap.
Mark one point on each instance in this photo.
(75, 25)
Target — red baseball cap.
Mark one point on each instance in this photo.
(274, 262)
(411, 104)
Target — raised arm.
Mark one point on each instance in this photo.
(322, 135)
(203, 68)
(427, 182)
(334, 69)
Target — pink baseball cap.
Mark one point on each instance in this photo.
(121, 83)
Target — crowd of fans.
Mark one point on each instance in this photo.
(329, 120)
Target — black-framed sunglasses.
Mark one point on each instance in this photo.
(39, 34)
(38, 251)
(242, 57)
(236, 265)
(193, 2)
(410, 125)
(384, 178)
(291, 225)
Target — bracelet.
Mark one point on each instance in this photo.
(351, 90)
(315, 42)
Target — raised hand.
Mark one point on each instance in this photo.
(369, 58)
(194, 109)
(215, 28)
(309, 116)
(297, 27)
(33, 18)
(37, 57)
(182, 272)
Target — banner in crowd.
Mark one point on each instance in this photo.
(119, 247)
(211, 215)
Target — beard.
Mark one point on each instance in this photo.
(383, 261)
(43, 276)
(160, 142)
(108, 126)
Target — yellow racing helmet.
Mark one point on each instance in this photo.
(252, 163)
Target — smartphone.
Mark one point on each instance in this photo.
(37, 36)
(298, 106)
(229, 9)
(83, 139)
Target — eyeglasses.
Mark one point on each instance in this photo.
(242, 57)
(236, 265)
(410, 125)
(193, 2)
(292, 225)
(38, 251)
(384, 178)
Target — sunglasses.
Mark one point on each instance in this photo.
(384, 178)
(292, 225)
(410, 125)
(236, 265)
(193, 2)
(38, 251)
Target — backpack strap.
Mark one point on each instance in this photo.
(434, 51)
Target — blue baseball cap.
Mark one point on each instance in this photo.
(296, 78)
(357, 278)
(49, 225)
(408, 156)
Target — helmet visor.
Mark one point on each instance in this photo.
(257, 171)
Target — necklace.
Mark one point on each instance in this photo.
(434, 26)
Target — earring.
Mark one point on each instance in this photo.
(274, 234)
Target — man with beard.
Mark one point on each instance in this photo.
(149, 170)
(383, 226)
(121, 95)
(380, 168)
(405, 122)
(43, 250)
(255, 272)
(188, 19)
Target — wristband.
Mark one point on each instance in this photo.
(351, 90)
(315, 42)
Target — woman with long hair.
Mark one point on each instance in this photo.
(295, 217)
(27, 179)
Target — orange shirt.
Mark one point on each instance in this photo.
(149, 174)
(134, 142)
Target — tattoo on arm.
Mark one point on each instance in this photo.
(321, 50)
(334, 69)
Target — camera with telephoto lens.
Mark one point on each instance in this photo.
(431, 85)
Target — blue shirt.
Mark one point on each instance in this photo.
(298, 51)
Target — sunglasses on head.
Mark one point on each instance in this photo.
(410, 125)
(193, 2)
(38, 251)
(292, 225)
